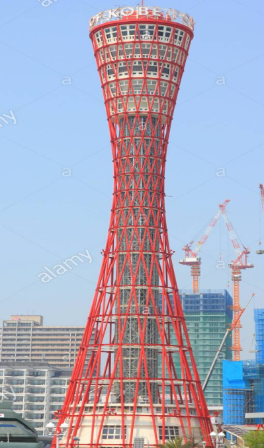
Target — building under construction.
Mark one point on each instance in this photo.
(207, 316)
(243, 382)
(259, 329)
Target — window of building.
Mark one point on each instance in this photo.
(170, 432)
(145, 48)
(111, 33)
(178, 37)
(112, 432)
(164, 33)
(98, 37)
(128, 32)
(146, 31)
(152, 68)
(165, 69)
(165, 52)
(112, 52)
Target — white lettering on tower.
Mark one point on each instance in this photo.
(156, 11)
(143, 11)
(128, 11)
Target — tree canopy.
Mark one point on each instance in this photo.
(254, 439)
(179, 443)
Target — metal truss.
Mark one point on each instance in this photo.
(124, 378)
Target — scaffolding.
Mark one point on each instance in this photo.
(237, 402)
(259, 326)
(250, 370)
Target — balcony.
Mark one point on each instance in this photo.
(30, 416)
(36, 382)
(12, 373)
(15, 382)
(34, 408)
(34, 391)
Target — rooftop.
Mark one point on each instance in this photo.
(239, 430)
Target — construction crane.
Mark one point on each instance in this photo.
(261, 251)
(228, 331)
(191, 257)
(239, 264)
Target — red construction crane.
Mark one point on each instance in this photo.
(261, 251)
(191, 257)
(236, 266)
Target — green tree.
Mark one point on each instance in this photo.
(254, 439)
(179, 443)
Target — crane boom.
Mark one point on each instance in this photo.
(210, 227)
(191, 256)
(232, 233)
(229, 330)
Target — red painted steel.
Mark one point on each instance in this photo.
(241, 263)
(191, 256)
(125, 376)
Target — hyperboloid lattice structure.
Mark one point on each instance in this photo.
(125, 390)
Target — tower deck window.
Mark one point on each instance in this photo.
(170, 432)
(112, 432)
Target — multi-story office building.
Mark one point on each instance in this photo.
(36, 389)
(25, 338)
(207, 316)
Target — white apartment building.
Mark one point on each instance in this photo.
(36, 389)
(25, 338)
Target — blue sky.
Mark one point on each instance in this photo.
(48, 217)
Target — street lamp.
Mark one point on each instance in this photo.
(58, 436)
(217, 439)
(204, 444)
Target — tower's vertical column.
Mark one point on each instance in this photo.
(138, 166)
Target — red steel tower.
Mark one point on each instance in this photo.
(124, 389)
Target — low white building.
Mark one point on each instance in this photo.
(37, 390)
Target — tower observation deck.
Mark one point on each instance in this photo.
(119, 395)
